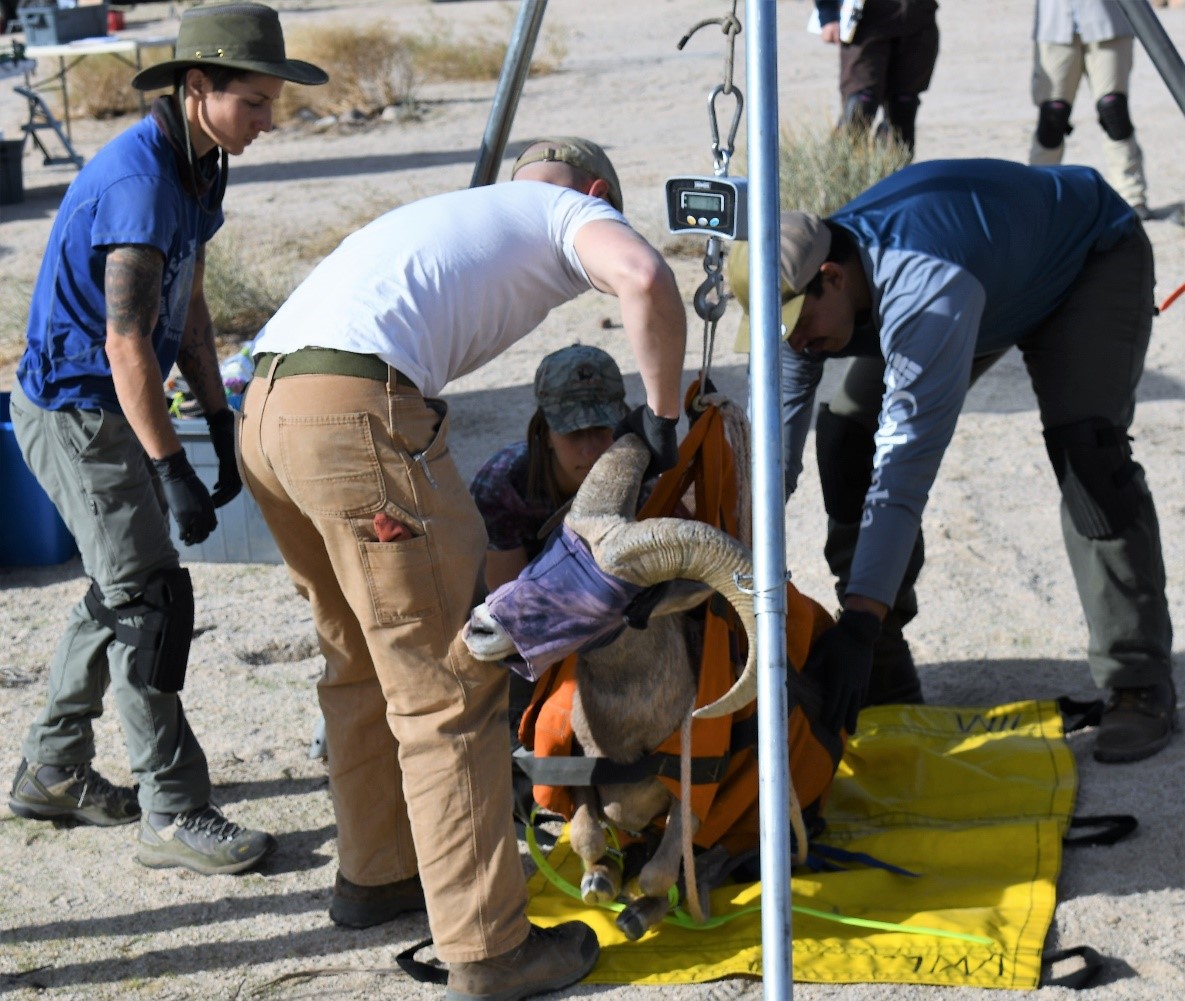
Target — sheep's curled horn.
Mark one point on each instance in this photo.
(660, 549)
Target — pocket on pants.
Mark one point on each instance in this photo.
(330, 466)
(401, 580)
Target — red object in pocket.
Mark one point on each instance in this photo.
(389, 529)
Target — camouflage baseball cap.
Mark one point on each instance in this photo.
(580, 387)
(583, 154)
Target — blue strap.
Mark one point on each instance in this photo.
(827, 858)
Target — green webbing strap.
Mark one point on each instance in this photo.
(682, 919)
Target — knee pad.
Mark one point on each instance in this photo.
(1114, 117)
(1100, 482)
(1053, 123)
(859, 110)
(161, 641)
(844, 450)
(902, 113)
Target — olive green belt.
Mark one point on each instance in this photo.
(329, 361)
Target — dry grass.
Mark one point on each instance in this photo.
(440, 55)
(820, 170)
(324, 240)
(244, 287)
(369, 69)
(683, 246)
(241, 294)
(101, 87)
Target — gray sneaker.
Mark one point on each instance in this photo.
(548, 959)
(202, 840)
(78, 792)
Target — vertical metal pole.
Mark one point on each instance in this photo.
(510, 85)
(1155, 39)
(769, 535)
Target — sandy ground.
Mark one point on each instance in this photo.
(1000, 621)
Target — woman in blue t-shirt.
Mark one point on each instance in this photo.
(117, 302)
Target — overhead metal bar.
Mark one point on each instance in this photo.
(1161, 50)
(769, 503)
(510, 85)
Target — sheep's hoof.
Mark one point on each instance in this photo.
(602, 884)
(642, 915)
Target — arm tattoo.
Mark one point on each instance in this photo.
(132, 286)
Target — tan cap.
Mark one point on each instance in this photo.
(805, 243)
(583, 154)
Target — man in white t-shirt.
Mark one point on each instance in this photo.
(344, 447)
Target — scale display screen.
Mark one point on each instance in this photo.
(714, 206)
(699, 201)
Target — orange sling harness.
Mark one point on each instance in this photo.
(724, 791)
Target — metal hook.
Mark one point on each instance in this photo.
(710, 311)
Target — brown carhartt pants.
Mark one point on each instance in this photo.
(416, 729)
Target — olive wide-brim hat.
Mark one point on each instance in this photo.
(242, 36)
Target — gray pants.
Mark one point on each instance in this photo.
(1084, 362)
(92, 466)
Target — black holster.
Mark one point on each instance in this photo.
(161, 640)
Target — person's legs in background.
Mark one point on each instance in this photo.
(1108, 68)
(1057, 72)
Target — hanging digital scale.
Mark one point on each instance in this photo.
(712, 206)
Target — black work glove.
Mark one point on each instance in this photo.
(657, 432)
(188, 499)
(841, 663)
(694, 409)
(222, 437)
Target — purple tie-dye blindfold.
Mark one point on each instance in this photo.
(562, 603)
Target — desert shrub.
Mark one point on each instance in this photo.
(369, 68)
(683, 246)
(241, 292)
(101, 87)
(440, 55)
(822, 169)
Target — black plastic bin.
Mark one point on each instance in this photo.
(12, 185)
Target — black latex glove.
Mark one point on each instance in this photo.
(222, 437)
(841, 662)
(188, 499)
(657, 432)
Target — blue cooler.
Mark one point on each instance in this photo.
(32, 533)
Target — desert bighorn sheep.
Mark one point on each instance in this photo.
(634, 693)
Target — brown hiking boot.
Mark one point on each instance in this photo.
(1137, 722)
(548, 959)
(355, 906)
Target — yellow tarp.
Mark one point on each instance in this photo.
(973, 800)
